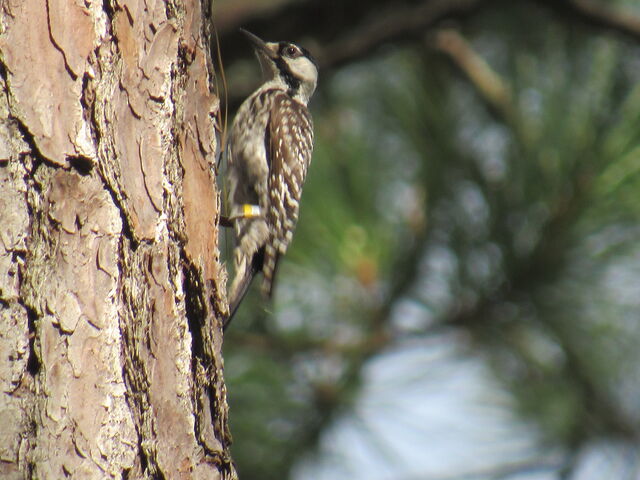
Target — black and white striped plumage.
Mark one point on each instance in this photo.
(269, 152)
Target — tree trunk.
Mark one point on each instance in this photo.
(111, 288)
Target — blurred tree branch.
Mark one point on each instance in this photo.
(339, 33)
(397, 23)
(233, 14)
(342, 31)
(492, 88)
(600, 14)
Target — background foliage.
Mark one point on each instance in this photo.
(463, 293)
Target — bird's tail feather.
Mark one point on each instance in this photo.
(269, 270)
(240, 292)
(240, 286)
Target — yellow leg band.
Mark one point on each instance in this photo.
(250, 211)
(246, 211)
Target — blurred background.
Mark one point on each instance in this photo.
(462, 297)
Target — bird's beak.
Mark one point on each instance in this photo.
(258, 44)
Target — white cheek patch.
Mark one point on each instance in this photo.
(304, 68)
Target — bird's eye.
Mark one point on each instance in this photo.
(291, 51)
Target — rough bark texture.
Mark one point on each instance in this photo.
(111, 289)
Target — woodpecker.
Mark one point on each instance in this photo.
(269, 151)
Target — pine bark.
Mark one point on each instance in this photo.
(111, 286)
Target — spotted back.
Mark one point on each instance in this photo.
(290, 145)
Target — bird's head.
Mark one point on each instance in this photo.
(288, 65)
